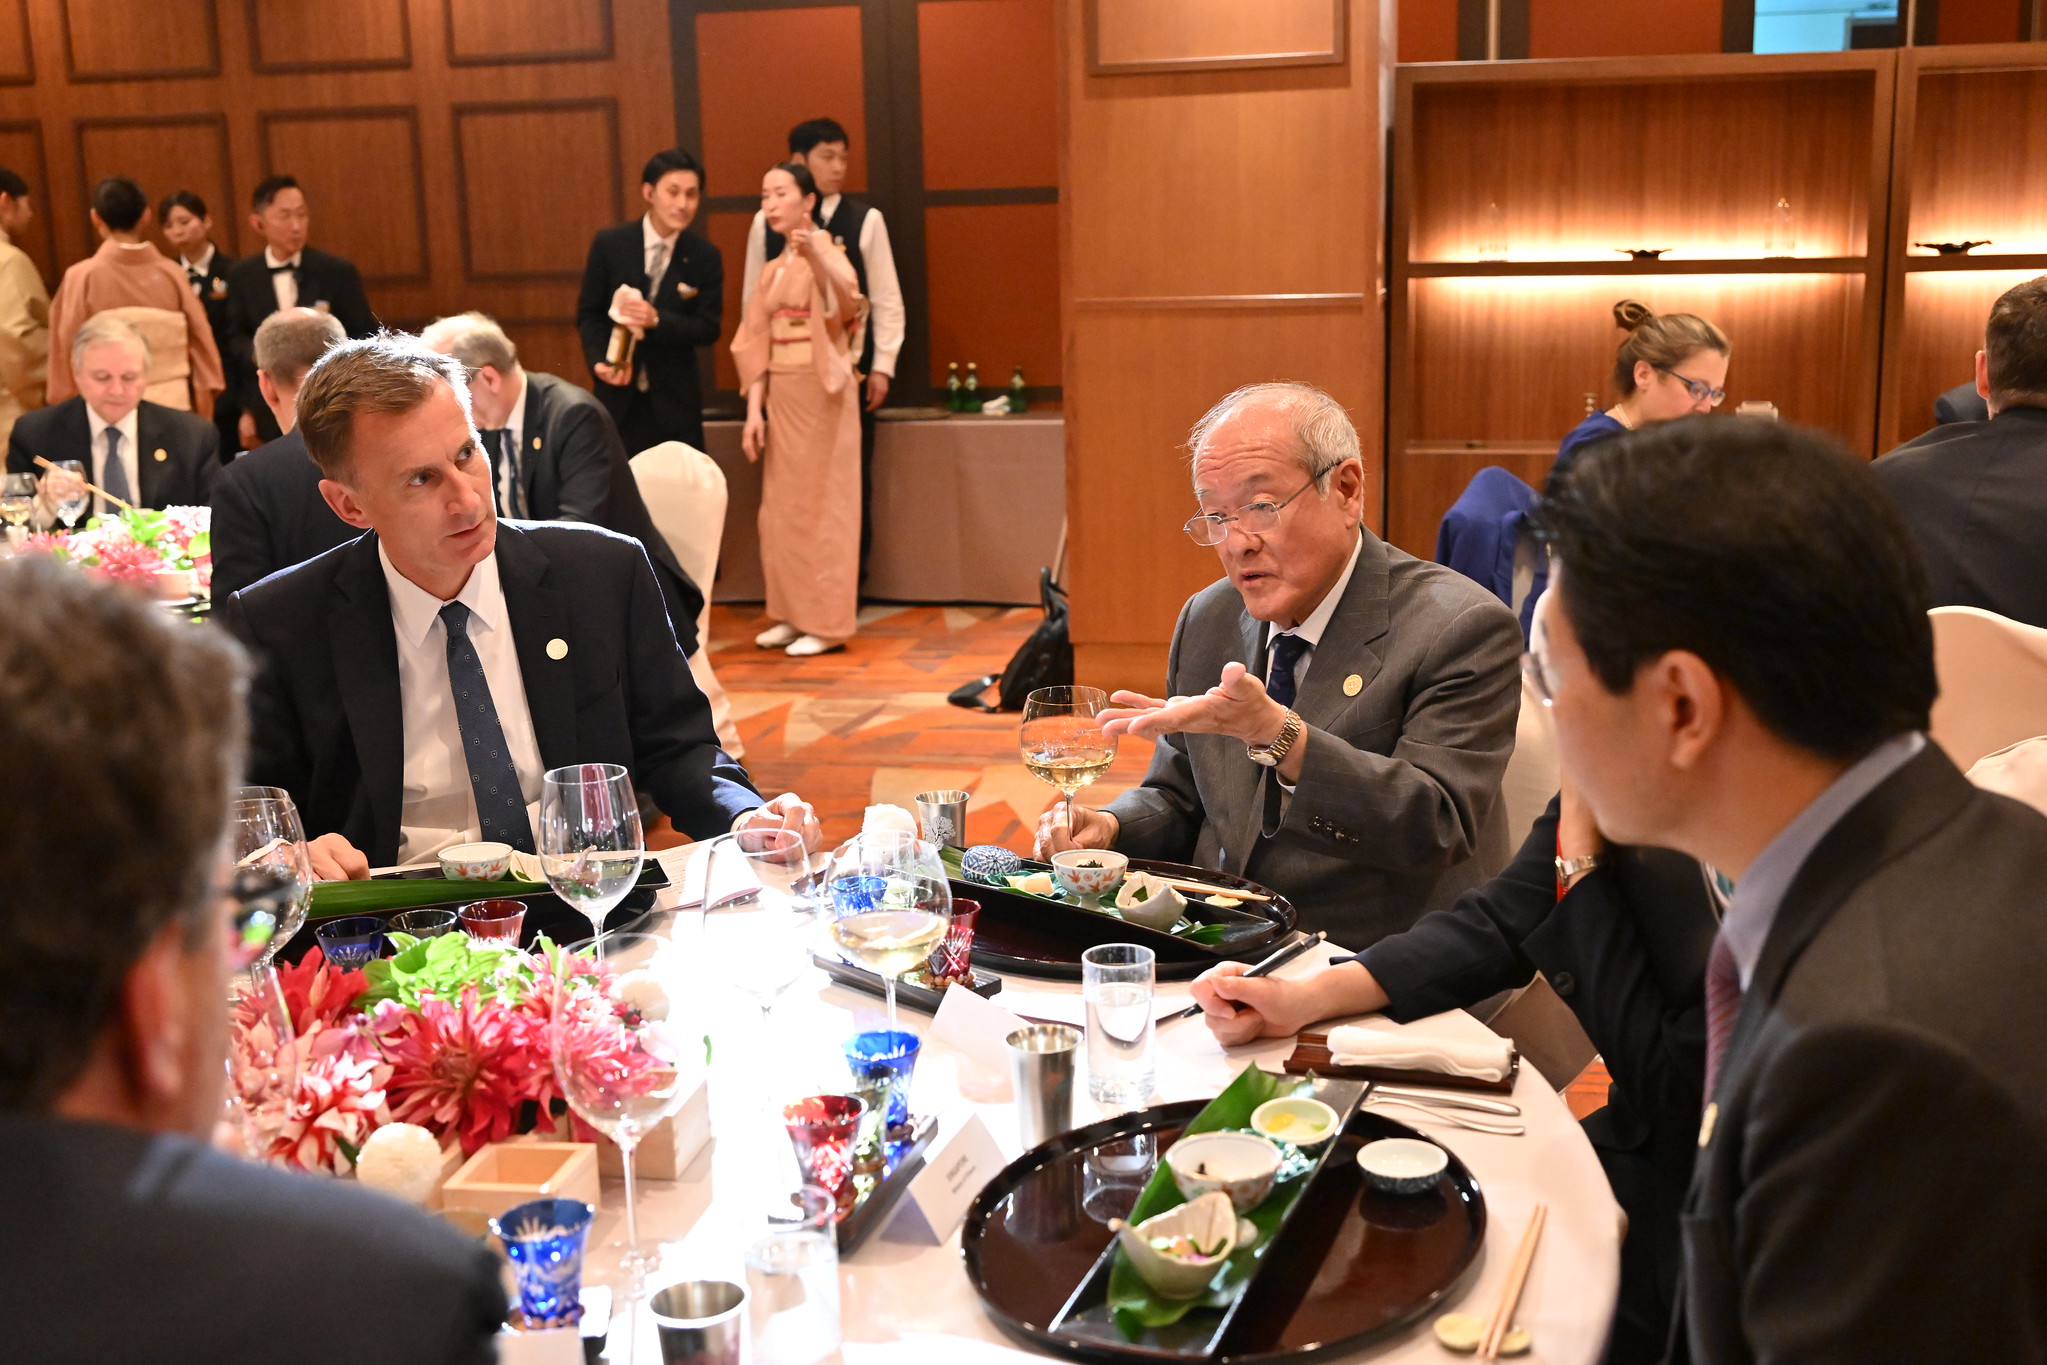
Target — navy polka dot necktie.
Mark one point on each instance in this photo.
(1286, 656)
(500, 805)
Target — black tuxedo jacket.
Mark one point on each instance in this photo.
(221, 1260)
(667, 355)
(177, 454)
(1626, 949)
(323, 278)
(574, 468)
(605, 681)
(1975, 496)
(268, 515)
(1870, 1180)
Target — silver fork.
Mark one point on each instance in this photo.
(1446, 1117)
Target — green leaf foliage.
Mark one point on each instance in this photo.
(443, 968)
(380, 895)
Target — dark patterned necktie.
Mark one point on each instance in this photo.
(114, 478)
(500, 805)
(1723, 1005)
(1286, 656)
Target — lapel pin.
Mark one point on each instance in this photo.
(557, 648)
(536, 443)
(1712, 1116)
(162, 454)
(1353, 685)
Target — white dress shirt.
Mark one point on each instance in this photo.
(282, 282)
(437, 806)
(884, 292)
(1310, 630)
(660, 253)
(131, 463)
(204, 265)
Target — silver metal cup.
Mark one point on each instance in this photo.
(702, 1322)
(943, 815)
(1041, 1063)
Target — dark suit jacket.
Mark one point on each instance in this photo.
(177, 452)
(1397, 809)
(268, 515)
(327, 720)
(668, 353)
(1870, 1182)
(1975, 496)
(1626, 950)
(323, 278)
(574, 468)
(219, 1260)
(1961, 404)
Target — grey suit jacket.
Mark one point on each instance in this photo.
(1870, 1182)
(1397, 810)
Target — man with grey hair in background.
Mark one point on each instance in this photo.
(1339, 712)
(267, 510)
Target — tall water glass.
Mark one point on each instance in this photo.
(792, 1283)
(1116, 982)
(268, 835)
(591, 844)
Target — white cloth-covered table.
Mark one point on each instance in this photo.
(907, 1300)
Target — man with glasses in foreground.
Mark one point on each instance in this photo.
(1340, 711)
(132, 1240)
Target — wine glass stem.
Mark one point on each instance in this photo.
(632, 1223)
(889, 990)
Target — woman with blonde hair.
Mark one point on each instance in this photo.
(803, 422)
(1670, 365)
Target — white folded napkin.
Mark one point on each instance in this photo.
(1488, 1060)
(733, 875)
(626, 293)
(888, 820)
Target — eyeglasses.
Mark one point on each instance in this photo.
(262, 896)
(1699, 389)
(1253, 518)
(1537, 678)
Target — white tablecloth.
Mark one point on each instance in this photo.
(905, 1299)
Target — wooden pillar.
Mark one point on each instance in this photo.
(1220, 226)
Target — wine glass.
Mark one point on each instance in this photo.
(624, 1053)
(591, 844)
(772, 958)
(1062, 740)
(262, 1057)
(268, 835)
(782, 864)
(17, 501)
(891, 904)
(75, 500)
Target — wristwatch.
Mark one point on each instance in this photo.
(1568, 868)
(1273, 754)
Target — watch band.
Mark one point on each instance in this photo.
(1273, 754)
(1567, 868)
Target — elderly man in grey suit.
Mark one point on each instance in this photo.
(1361, 777)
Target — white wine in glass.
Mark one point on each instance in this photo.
(17, 499)
(1062, 740)
(891, 905)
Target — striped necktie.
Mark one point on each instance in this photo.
(1723, 1005)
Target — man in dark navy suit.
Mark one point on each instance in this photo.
(681, 277)
(418, 682)
(267, 510)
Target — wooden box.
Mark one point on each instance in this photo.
(504, 1174)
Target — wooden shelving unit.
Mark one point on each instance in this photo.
(1969, 140)
(1492, 361)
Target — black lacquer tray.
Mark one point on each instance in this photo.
(911, 993)
(1024, 935)
(1352, 1267)
(880, 1199)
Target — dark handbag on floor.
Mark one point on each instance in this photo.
(1044, 660)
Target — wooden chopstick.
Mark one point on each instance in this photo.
(92, 487)
(1204, 889)
(1510, 1295)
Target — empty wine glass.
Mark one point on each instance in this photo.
(771, 959)
(1062, 740)
(891, 904)
(623, 1054)
(71, 499)
(268, 835)
(591, 844)
(783, 865)
(17, 501)
(262, 1058)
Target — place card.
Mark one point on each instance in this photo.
(964, 1159)
(978, 1027)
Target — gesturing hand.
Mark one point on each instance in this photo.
(1237, 705)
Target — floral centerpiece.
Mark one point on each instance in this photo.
(168, 552)
(453, 1035)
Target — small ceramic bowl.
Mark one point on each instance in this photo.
(1403, 1165)
(1209, 1226)
(1148, 901)
(1241, 1165)
(1088, 872)
(1302, 1121)
(476, 862)
(988, 863)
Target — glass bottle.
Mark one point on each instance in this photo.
(952, 387)
(970, 394)
(1019, 401)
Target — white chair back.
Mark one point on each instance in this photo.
(685, 494)
(2018, 771)
(170, 360)
(1993, 682)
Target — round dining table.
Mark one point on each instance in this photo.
(905, 1297)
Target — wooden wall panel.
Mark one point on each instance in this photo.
(1939, 330)
(1707, 192)
(1977, 149)
(988, 81)
(1981, 21)
(727, 232)
(1624, 28)
(110, 40)
(1428, 31)
(501, 32)
(549, 345)
(21, 151)
(371, 35)
(17, 47)
(1213, 33)
(511, 158)
(163, 152)
(815, 57)
(333, 153)
(992, 272)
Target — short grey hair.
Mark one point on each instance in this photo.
(475, 339)
(100, 329)
(292, 340)
(1323, 435)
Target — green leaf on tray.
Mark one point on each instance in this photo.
(444, 967)
(1208, 935)
(1132, 1302)
(379, 895)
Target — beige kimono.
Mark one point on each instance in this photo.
(24, 335)
(124, 275)
(795, 331)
